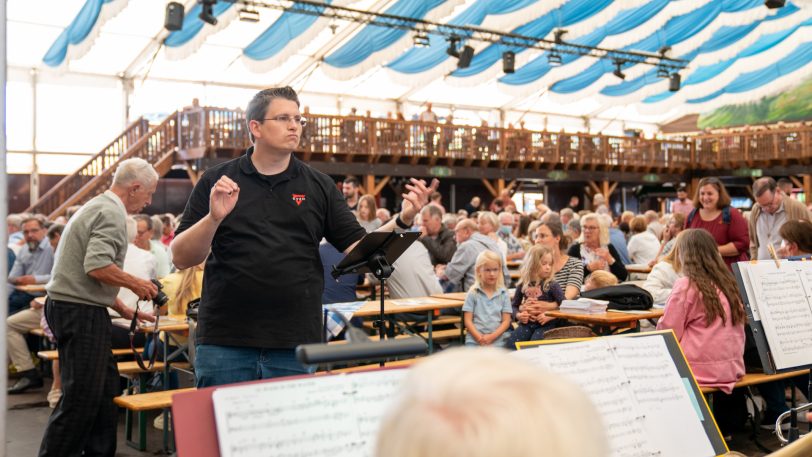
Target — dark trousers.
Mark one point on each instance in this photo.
(18, 301)
(84, 422)
(532, 331)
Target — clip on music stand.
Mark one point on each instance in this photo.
(375, 254)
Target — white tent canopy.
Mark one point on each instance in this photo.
(75, 63)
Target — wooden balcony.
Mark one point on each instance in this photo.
(384, 145)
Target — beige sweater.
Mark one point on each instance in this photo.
(795, 211)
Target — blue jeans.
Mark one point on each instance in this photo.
(217, 365)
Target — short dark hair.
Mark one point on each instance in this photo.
(258, 105)
(55, 229)
(352, 180)
(798, 232)
(38, 219)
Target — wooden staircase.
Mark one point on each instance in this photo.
(156, 145)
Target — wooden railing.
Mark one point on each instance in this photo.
(371, 140)
(109, 155)
(755, 148)
(152, 147)
(387, 140)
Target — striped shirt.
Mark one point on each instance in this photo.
(571, 274)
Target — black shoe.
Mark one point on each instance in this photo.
(30, 381)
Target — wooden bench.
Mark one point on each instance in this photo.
(140, 404)
(54, 354)
(752, 379)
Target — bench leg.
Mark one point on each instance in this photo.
(141, 416)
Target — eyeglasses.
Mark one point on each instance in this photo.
(285, 119)
(590, 227)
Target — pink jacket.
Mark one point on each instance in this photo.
(714, 353)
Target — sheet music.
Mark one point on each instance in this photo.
(330, 416)
(636, 388)
(591, 365)
(661, 395)
(782, 296)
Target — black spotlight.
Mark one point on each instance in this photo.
(773, 4)
(674, 82)
(207, 11)
(554, 59)
(174, 16)
(465, 57)
(508, 62)
(452, 47)
(617, 71)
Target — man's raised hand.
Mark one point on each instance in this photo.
(223, 198)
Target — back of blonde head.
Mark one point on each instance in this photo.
(484, 403)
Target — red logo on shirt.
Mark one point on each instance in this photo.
(298, 198)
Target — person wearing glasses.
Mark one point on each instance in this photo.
(257, 222)
(772, 210)
(594, 249)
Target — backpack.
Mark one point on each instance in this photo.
(725, 216)
(623, 297)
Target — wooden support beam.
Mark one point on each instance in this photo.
(594, 187)
(807, 188)
(490, 188)
(379, 187)
(368, 185)
(512, 184)
(610, 189)
(796, 182)
(500, 186)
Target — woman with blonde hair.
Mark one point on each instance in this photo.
(663, 275)
(594, 248)
(488, 224)
(483, 403)
(367, 213)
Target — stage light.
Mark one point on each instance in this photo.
(617, 71)
(207, 11)
(674, 82)
(421, 40)
(773, 4)
(465, 57)
(554, 59)
(452, 47)
(249, 15)
(509, 62)
(558, 34)
(174, 16)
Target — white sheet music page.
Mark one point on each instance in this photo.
(785, 308)
(590, 364)
(638, 391)
(671, 421)
(329, 416)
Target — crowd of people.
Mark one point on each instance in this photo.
(265, 215)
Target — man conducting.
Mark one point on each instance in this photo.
(257, 222)
(85, 281)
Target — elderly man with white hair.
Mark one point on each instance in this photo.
(85, 280)
(505, 233)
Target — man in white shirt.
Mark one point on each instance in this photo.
(429, 130)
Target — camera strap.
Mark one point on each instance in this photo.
(155, 338)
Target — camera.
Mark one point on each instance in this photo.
(160, 298)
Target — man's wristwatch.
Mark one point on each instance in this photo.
(400, 223)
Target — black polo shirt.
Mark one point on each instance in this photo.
(263, 279)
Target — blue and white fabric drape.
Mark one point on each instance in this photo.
(79, 36)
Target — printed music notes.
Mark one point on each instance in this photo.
(329, 416)
(637, 390)
(781, 299)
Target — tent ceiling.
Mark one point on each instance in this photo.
(738, 50)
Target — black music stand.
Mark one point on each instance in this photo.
(375, 254)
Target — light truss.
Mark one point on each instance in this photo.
(462, 33)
